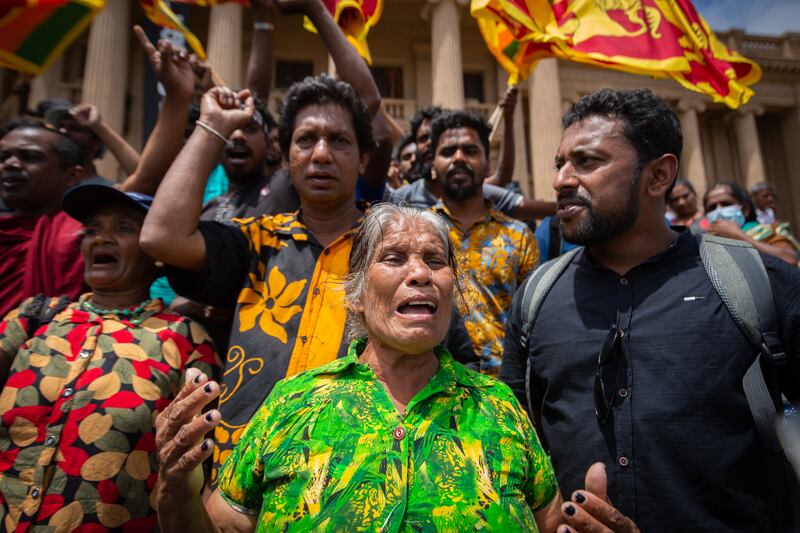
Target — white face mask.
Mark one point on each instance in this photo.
(729, 212)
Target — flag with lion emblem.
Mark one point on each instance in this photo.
(659, 38)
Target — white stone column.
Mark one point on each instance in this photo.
(544, 98)
(448, 73)
(225, 43)
(750, 158)
(105, 80)
(692, 161)
(521, 173)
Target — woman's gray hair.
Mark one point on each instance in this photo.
(367, 240)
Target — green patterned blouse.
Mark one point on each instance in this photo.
(328, 451)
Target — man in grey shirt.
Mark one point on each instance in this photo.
(424, 192)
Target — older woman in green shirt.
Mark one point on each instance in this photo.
(396, 436)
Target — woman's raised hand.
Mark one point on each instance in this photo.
(180, 443)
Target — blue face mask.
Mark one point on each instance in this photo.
(729, 212)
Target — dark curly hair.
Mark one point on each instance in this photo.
(321, 90)
(421, 116)
(68, 152)
(748, 208)
(449, 120)
(649, 123)
(404, 141)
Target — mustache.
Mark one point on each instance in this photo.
(573, 196)
(460, 168)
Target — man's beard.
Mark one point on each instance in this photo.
(595, 228)
(243, 177)
(460, 191)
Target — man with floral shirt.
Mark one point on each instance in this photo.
(496, 252)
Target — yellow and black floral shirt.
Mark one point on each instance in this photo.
(290, 316)
(495, 256)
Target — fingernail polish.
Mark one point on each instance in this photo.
(209, 417)
(580, 498)
(197, 379)
(207, 388)
(570, 510)
(204, 446)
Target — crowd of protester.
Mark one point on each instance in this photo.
(311, 322)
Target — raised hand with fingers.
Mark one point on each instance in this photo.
(86, 115)
(170, 64)
(180, 443)
(590, 510)
(225, 110)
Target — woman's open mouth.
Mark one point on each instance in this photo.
(418, 308)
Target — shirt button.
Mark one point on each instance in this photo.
(327, 252)
(623, 281)
(623, 461)
(623, 393)
(304, 339)
(67, 392)
(398, 433)
(51, 441)
(316, 291)
(35, 492)
(85, 353)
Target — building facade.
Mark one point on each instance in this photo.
(428, 52)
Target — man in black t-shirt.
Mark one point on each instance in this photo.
(633, 359)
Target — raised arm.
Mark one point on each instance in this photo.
(89, 117)
(349, 65)
(174, 71)
(259, 66)
(170, 230)
(505, 163)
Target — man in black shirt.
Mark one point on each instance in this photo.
(634, 359)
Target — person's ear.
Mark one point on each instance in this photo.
(433, 174)
(661, 174)
(363, 164)
(75, 174)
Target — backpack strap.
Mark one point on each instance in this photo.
(536, 288)
(41, 310)
(737, 273)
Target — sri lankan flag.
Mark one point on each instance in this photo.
(355, 18)
(160, 14)
(658, 38)
(33, 33)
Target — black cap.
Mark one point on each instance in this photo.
(81, 200)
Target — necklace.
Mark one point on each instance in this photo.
(130, 314)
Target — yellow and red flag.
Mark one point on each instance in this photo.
(159, 13)
(33, 33)
(355, 18)
(659, 38)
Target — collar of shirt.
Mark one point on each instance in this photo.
(80, 314)
(683, 243)
(492, 216)
(290, 225)
(447, 379)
